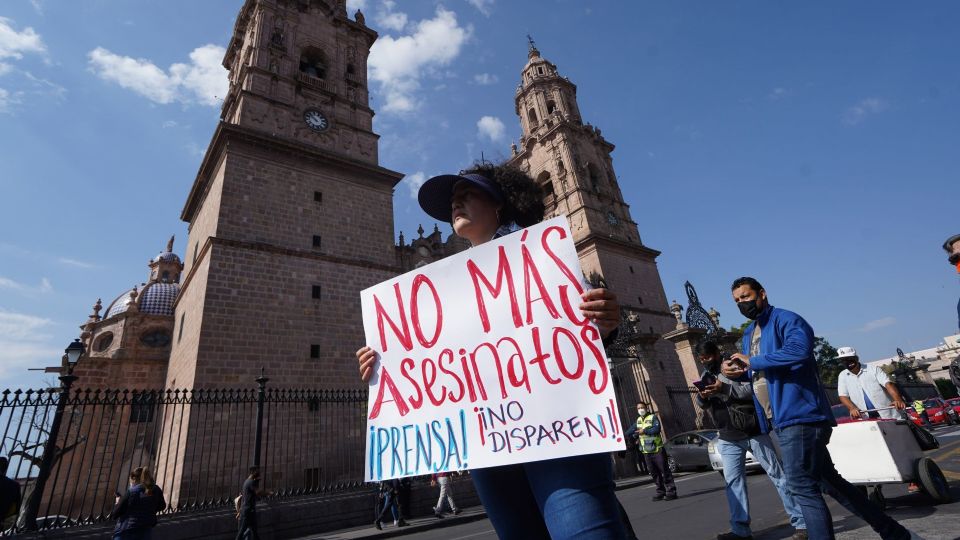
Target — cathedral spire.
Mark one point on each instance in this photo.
(532, 52)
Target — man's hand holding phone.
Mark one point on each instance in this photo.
(708, 385)
(736, 365)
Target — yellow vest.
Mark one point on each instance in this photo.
(648, 444)
(918, 406)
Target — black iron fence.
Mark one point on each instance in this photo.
(71, 450)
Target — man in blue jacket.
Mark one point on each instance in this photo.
(777, 353)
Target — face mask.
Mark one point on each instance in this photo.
(749, 309)
(642, 412)
(955, 259)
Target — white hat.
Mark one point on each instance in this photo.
(846, 352)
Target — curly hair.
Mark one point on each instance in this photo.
(523, 202)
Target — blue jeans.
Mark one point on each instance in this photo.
(734, 456)
(561, 498)
(810, 471)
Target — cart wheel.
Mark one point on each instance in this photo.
(932, 480)
(877, 498)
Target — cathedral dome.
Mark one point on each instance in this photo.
(167, 256)
(156, 298)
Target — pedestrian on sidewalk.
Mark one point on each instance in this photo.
(388, 499)
(250, 493)
(730, 403)
(136, 510)
(446, 494)
(564, 498)
(9, 497)
(649, 440)
(777, 351)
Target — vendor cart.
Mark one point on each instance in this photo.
(874, 452)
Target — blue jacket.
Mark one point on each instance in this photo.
(793, 379)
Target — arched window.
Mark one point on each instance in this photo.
(546, 183)
(313, 62)
(532, 116)
(551, 107)
(594, 178)
(351, 70)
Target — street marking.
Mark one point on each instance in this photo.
(472, 535)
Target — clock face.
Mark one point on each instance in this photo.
(315, 120)
(612, 218)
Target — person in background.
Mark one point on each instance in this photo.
(136, 510)
(250, 493)
(730, 404)
(921, 411)
(649, 440)
(388, 499)
(777, 348)
(9, 496)
(446, 494)
(952, 247)
(865, 387)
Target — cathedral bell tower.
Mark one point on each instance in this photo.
(290, 215)
(571, 161)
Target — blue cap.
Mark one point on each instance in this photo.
(436, 194)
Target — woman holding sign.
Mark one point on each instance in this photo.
(571, 497)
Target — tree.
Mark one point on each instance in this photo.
(826, 357)
(739, 329)
(947, 389)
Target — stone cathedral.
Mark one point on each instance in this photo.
(291, 216)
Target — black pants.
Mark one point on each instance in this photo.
(662, 477)
(248, 526)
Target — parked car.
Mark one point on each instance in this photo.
(717, 462)
(841, 414)
(955, 403)
(689, 450)
(939, 412)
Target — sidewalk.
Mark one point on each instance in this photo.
(421, 524)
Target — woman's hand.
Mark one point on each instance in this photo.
(366, 357)
(601, 307)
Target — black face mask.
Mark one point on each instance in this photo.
(954, 259)
(749, 309)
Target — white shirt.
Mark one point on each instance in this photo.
(871, 380)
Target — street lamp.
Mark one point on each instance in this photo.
(74, 352)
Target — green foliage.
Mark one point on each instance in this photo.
(826, 357)
(946, 387)
(739, 329)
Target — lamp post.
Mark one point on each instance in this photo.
(73, 352)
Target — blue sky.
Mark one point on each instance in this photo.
(811, 144)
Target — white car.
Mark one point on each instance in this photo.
(717, 463)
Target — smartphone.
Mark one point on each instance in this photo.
(705, 381)
(737, 363)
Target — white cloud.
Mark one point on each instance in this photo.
(398, 64)
(203, 80)
(14, 44)
(483, 6)
(414, 181)
(491, 127)
(390, 19)
(8, 100)
(485, 79)
(76, 263)
(878, 324)
(778, 93)
(44, 287)
(23, 342)
(859, 112)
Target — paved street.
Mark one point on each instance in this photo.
(701, 510)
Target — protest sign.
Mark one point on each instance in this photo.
(485, 360)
